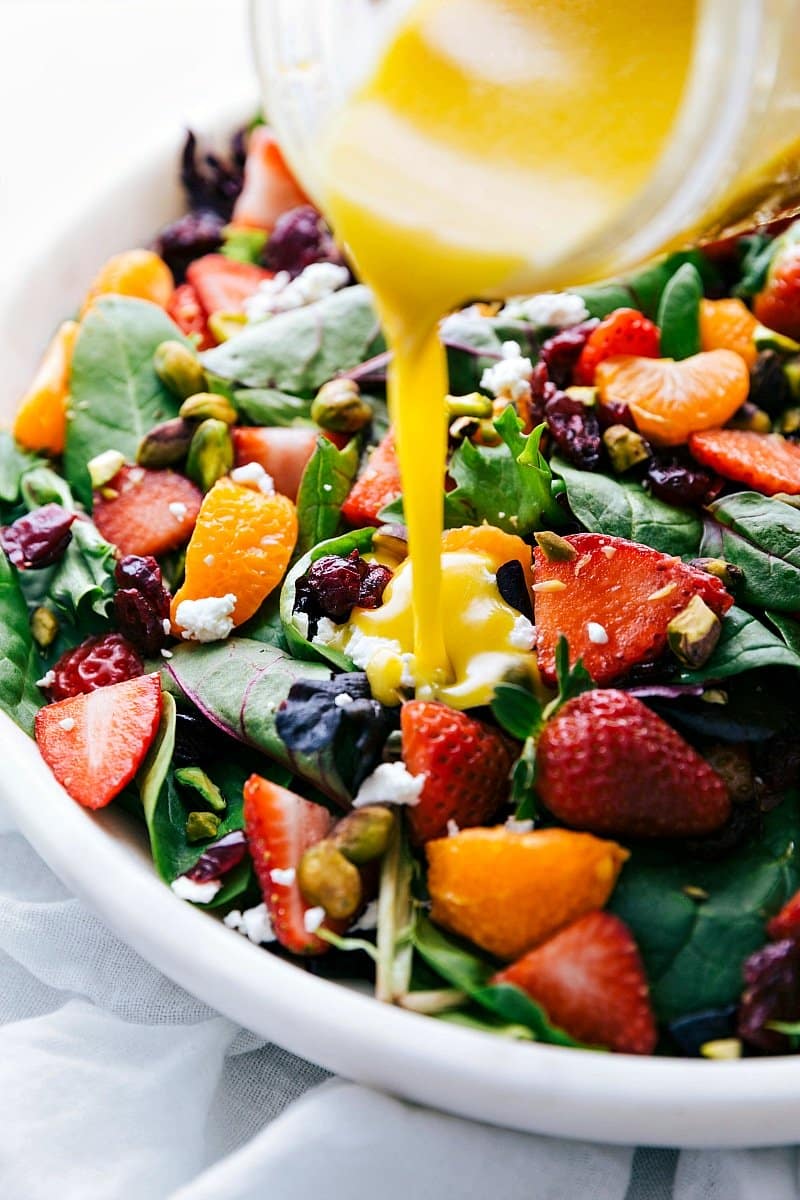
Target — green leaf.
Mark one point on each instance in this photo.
(298, 351)
(756, 260)
(693, 952)
(324, 487)
(19, 696)
(517, 710)
(266, 626)
(116, 396)
(396, 916)
(268, 406)
(14, 463)
(762, 536)
(41, 485)
(473, 1018)
(744, 645)
(622, 509)
(679, 313)
(83, 581)
(788, 628)
(644, 288)
(242, 244)
(572, 681)
(509, 486)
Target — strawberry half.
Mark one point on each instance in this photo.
(283, 452)
(95, 743)
(270, 188)
(613, 602)
(222, 285)
(280, 827)
(186, 311)
(624, 331)
(763, 461)
(607, 764)
(466, 765)
(147, 512)
(778, 305)
(376, 487)
(590, 981)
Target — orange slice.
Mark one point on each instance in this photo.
(501, 547)
(138, 273)
(728, 325)
(41, 420)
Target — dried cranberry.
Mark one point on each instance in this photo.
(190, 237)
(300, 237)
(212, 182)
(513, 587)
(769, 385)
(98, 662)
(771, 993)
(334, 585)
(676, 483)
(40, 538)
(197, 741)
(561, 352)
(574, 429)
(615, 413)
(374, 581)
(141, 603)
(219, 858)
(542, 390)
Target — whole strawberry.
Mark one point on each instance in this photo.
(609, 765)
(778, 304)
(465, 763)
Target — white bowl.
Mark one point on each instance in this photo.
(613, 1098)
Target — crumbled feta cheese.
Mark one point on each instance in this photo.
(206, 620)
(67, 724)
(198, 893)
(286, 878)
(522, 634)
(47, 680)
(282, 293)
(313, 918)
(368, 919)
(343, 699)
(327, 487)
(514, 826)
(253, 923)
(511, 375)
(178, 509)
(609, 551)
(254, 476)
(326, 630)
(301, 623)
(166, 625)
(452, 828)
(596, 633)
(549, 310)
(390, 783)
(361, 647)
(209, 560)
(166, 653)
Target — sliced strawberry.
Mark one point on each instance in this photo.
(147, 512)
(222, 284)
(282, 452)
(787, 922)
(624, 331)
(375, 487)
(465, 763)
(606, 764)
(187, 312)
(95, 743)
(778, 305)
(270, 188)
(613, 602)
(280, 827)
(590, 981)
(765, 462)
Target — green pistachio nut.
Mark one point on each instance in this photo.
(44, 626)
(751, 418)
(210, 454)
(554, 547)
(201, 825)
(226, 325)
(364, 833)
(586, 395)
(791, 370)
(391, 541)
(694, 633)
(340, 407)
(166, 444)
(728, 573)
(625, 447)
(768, 339)
(790, 422)
(205, 405)
(472, 405)
(199, 782)
(179, 369)
(463, 428)
(722, 1048)
(325, 877)
(103, 467)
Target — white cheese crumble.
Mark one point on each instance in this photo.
(166, 625)
(343, 699)
(597, 633)
(313, 918)
(47, 680)
(178, 509)
(166, 653)
(207, 620)
(523, 634)
(549, 310)
(282, 293)
(67, 724)
(209, 560)
(511, 375)
(326, 630)
(198, 893)
(390, 783)
(284, 877)
(361, 647)
(514, 826)
(368, 919)
(452, 828)
(254, 476)
(254, 923)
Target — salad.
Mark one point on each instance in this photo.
(590, 837)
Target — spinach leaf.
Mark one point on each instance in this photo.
(396, 920)
(14, 463)
(19, 696)
(625, 509)
(266, 626)
(788, 628)
(268, 406)
(762, 536)
(474, 343)
(116, 396)
(679, 313)
(643, 289)
(744, 645)
(509, 485)
(756, 260)
(298, 351)
(83, 581)
(324, 486)
(40, 485)
(693, 952)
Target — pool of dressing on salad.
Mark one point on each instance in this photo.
(488, 126)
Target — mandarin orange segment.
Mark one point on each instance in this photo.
(242, 543)
(728, 325)
(41, 420)
(501, 547)
(138, 273)
(671, 400)
(508, 892)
